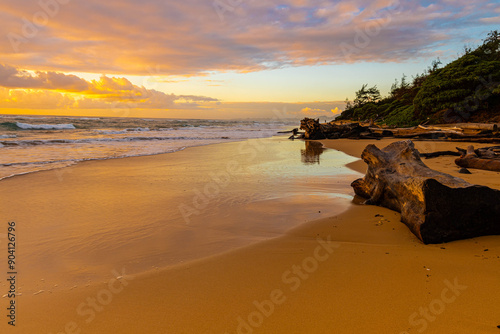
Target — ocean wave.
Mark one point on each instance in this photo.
(111, 132)
(39, 166)
(118, 132)
(27, 163)
(28, 168)
(27, 126)
(138, 129)
(96, 140)
(7, 136)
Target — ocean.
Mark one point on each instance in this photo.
(35, 143)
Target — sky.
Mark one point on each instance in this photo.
(221, 58)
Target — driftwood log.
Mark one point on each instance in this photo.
(316, 130)
(492, 152)
(487, 159)
(464, 126)
(477, 132)
(437, 207)
(475, 126)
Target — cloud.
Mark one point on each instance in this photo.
(194, 37)
(279, 110)
(14, 78)
(310, 112)
(34, 99)
(59, 90)
(324, 111)
(195, 98)
(495, 19)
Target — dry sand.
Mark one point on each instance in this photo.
(373, 276)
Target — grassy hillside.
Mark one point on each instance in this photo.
(467, 89)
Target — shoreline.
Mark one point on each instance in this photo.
(144, 210)
(374, 276)
(125, 157)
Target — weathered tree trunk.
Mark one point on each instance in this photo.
(463, 126)
(312, 129)
(475, 126)
(437, 207)
(316, 130)
(471, 160)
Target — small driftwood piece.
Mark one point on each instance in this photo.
(486, 159)
(437, 207)
(294, 131)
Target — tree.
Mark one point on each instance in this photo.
(366, 95)
(348, 104)
(434, 66)
(490, 47)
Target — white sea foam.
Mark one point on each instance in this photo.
(27, 126)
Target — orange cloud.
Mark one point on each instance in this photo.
(314, 112)
(13, 78)
(24, 89)
(34, 99)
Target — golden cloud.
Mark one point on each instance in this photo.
(58, 90)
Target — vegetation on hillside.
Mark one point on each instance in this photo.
(467, 89)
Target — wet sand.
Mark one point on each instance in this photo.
(356, 269)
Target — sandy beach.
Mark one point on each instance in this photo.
(306, 262)
(194, 167)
